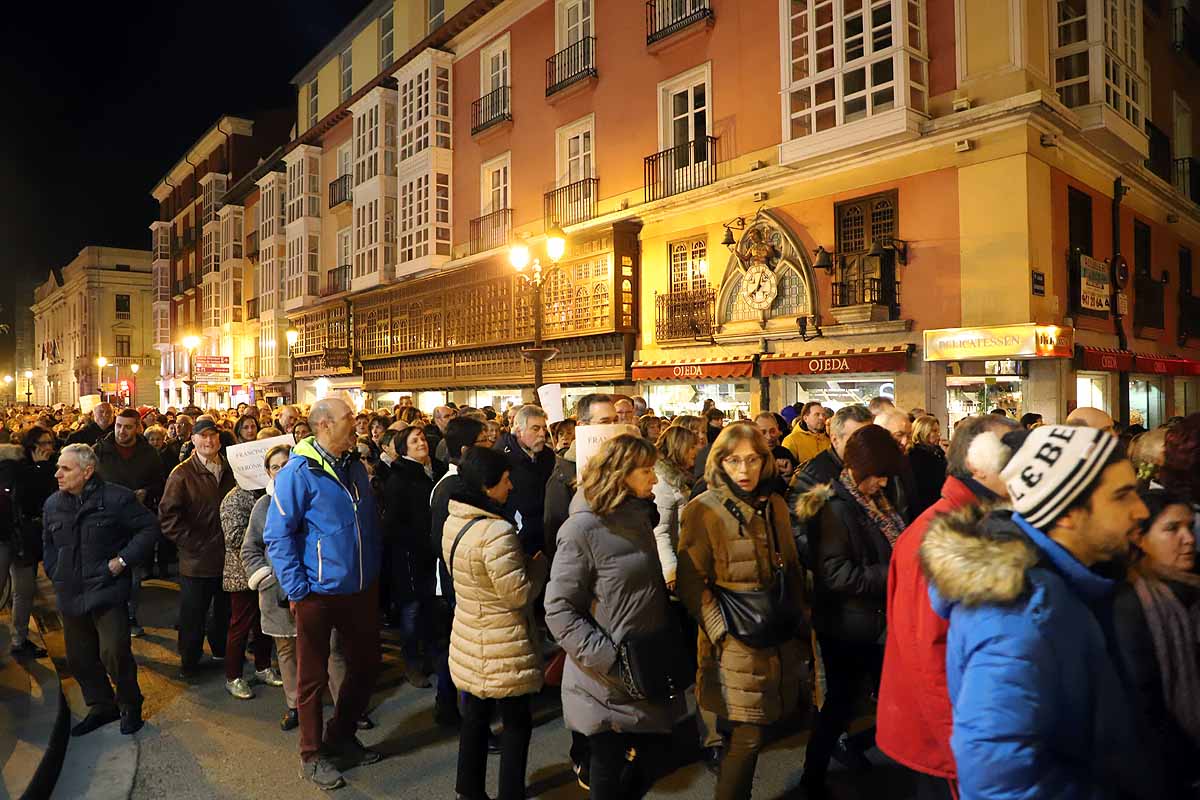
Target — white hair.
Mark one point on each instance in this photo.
(526, 413)
(988, 453)
(83, 453)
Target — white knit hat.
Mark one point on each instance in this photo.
(1055, 465)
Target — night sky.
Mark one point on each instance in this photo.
(101, 99)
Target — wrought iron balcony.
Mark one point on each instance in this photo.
(251, 308)
(1159, 161)
(665, 17)
(687, 315)
(1184, 33)
(1148, 297)
(573, 203)
(252, 244)
(1187, 177)
(570, 65)
(491, 109)
(337, 280)
(686, 166)
(340, 190)
(866, 291)
(491, 230)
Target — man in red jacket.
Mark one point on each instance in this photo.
(913, 717)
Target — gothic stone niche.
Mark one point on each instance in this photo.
(768, 282)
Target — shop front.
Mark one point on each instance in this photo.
(835, 378)
(1017, 368)
(679, 387)
(1154, 382)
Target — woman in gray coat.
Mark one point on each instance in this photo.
(606, 585)
(275, 614)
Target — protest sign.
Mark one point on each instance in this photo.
(246, 460)
(87, 402)
(551, 397)
(588, 439)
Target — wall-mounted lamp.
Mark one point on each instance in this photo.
(802, 324)
(824, 259)
(884, 243)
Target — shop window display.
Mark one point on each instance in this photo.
(839, 392)
(673, 399)
(1091, 391)
(1146, 402)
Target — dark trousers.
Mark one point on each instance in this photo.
(613, 776)
(514, 746)
(442, 617)
(356, 619)
(244, 620)
(196, 595)
(413, 587)
(931, 787)
(741, 759)
(847, 665)
(98, 649)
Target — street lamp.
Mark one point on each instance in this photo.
(519, 257)
(101, 363)
(191, 342)
(293, 336)
(28, 387)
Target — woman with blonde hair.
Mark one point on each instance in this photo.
(605, 604)
(677, 448)
(650, 426)
(736, 550)
(928, 462)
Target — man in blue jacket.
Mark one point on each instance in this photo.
(323, 539)
(1039, 706)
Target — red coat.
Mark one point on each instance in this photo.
(913, 717)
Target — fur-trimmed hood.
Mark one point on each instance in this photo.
(977, 556)
(808, 505)
(11, 452)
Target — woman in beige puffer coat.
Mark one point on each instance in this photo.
(495, 654)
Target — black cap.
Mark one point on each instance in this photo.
(203, 425)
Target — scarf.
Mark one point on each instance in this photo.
(878, 509)
(1173, 629)
(756, 499)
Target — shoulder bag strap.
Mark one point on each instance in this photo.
(457, 539)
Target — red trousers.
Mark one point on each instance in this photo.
(356, 619)
(244, 619)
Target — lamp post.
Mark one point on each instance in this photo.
(519, 257)
(101, 363)
(28, 387)
(134, 367)
(191, 342)
(293, 336)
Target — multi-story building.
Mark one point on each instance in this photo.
(200, 264)
(99, 305)
(745, 188)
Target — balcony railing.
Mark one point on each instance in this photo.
(252, 244)
(686, 166)
(571, 64)
(491, 230)
(337, 280)
(1148, 296)
(686, 315)
(1159, 160)
(491, 109)
(866, 291)
(252, 308)
(339, 191)
(665, 17)
(1187, 177)
(1184, 33)
(573, 203)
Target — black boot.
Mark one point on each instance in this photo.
(96, 718)
(131, 720)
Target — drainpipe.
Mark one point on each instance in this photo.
(1118, 319)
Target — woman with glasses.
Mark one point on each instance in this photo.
(275, 614)
(737, 537)
(850, 548)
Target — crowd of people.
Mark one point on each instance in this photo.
(1018, 602)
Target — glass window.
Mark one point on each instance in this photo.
(312, 102)
(1091, 390)
(122, 344)
(437, 14)
(1146, 402)
(345, 68)
(387, 38)
(122, 306)
(837, 391)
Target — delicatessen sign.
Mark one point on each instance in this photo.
(1001, 341)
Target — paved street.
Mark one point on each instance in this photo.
(201, 743)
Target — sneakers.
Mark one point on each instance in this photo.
(350, 753)
(239, 689)
(290, 720)
(96, 718)
(136, 631)
(268, 677)
(583, 775)
(323, 773)
(131, 720)
(27, 649)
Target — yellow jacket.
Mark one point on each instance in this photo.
(806, 445)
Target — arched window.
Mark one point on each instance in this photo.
(600, 305)
(557, 296)
(791, 298)
(736, 307)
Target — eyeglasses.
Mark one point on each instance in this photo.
(740, 462)
(46, 442)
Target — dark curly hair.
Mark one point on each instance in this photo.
(1181, 468)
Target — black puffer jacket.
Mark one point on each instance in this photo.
(82, 534)
(528, 497)
(406, 512)
(849, 559)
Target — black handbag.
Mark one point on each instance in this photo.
(759, 618)
(653, 667)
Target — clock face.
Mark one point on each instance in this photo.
(759, 287)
